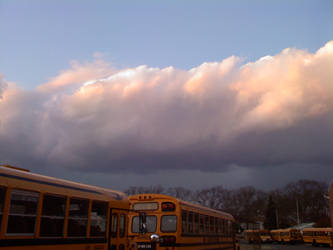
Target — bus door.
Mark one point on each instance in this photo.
(117, 236)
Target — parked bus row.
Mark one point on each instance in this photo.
(45, 213)
(314, 236)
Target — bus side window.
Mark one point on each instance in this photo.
(114, 228)
(202, 224)
(122, 225)
(206, 224)
(2, 202)
(22, 212)
(196, 223)
(98, 219)
(184, 221)
(53, 216)
(211, 224)
(190, 222)
(78, 217)
(220, 226)
(229, 228)
(216, 226)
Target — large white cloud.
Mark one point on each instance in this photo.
(275, 110)
(3, 85)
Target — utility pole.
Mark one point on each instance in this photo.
(297, 212)
(277, 218)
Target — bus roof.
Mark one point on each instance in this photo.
(22, 175)
(321, 229)
(140, 197)
(256, 230)
(285, 230)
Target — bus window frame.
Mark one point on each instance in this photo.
(190, 222)
(122, 226)
(103, 203)
(206, 224)
(196, 223)
(211, 225)
(2, 203)
(36, 223)
(87, 218)
(65, 217)
(184, 224)
(156, 222)
(201, 224)
(169, 231)
(114, 225)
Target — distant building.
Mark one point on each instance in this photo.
(255, 226)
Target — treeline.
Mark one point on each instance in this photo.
(304, 201)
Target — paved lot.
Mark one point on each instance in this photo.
(244, 246)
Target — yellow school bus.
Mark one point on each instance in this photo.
(289, 235)
(159, 221)
(251, 235)
(276, 235)
(265, 235)
(44, 213)
(257, 235)
(317, 236)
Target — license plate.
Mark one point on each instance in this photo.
(145, 246)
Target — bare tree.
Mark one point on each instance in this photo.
(301, 201)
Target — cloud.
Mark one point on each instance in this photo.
(76, 75)
(3, 85)
(272, 112)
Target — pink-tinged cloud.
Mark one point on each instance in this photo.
(3, 85)
(77, 74)
(282, 90)
(276, 110)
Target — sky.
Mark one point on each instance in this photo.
(173, 93)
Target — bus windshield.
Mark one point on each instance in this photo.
(151, 221)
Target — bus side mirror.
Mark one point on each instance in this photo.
(143, 223)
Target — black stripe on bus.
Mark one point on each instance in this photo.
(205, 235)
(50, 241)
(118, 197)
(196, 244)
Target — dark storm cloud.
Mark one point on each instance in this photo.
(274, 112)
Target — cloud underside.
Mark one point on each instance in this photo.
(92, 117)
